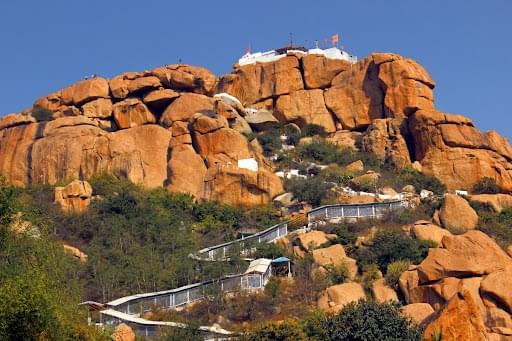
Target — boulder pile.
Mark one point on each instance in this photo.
(181, 127)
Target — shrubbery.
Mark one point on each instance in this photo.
(312, 190)
(313, 130)
(395, 270)
(390, 246)
(410, 176)
(42, 114)
(486, 185)
(497, 225)
(367, 320)
(324, 152)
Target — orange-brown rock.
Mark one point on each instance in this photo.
(320, 71)
(185, 106)
(138, 154)
(418, 312)
(456, 214)
(310, 240)
(385, 139)
(187, 78)
(460, 319)
(74, 197)
(76, 253)
(204, 124)
(12, 120)
(356, 95)
(237, 186)
(335, 255)
(123, 332)
(356, 166)
(261, 119)
(100, 108)
(51, 102)
(381, 292)
(131, 113)
(186, 171)
(16, 150)
(53, 127)
(305, 107)
(256, 82)
(85, 91)
(345, 139)
(126, 84)
(334, 298)
(408, 87)
(160, 97)
(470, 254)
(222, 145)
(496, 202)
(424, 230)
(496, 287)
(459, 161)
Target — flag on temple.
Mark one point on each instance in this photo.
(335, 39)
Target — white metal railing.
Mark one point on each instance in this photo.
(370, 210)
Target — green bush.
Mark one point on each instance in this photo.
(336, 274)
(497, 225)
(395, 270)
(42, 114)
(312, 190)
(270, 140)
(293, 134)
(368, 320)
(486, 185)
(393, 245)
(287, 331)
(410, 176)
(336, 174)
(313, 130)
(324, 152)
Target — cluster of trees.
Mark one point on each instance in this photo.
(40, 287)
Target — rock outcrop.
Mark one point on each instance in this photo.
(466, 280)
(74, 197)
(456, 214)
(334, 298)
(131, 123)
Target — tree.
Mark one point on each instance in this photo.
(368, 320)
(313, 130)
(312, 190)
(410, 176)
(486, 185)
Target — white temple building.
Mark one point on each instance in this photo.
(273, 55)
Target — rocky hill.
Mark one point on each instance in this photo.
(181, 127)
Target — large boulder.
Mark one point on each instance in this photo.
(84, 91)
(496, 202)
(99, 108)
(418, 312)
(382, 293)
(16, 152)
(450, 148)
(312, 239)
(184, 77)
(131, 84)
(74, 197)
(305, 107)
(460, 319)
(131, 113)
(186, 171)
(334, 298)
(75, 252)
(261, 119)
(496, 287)
(385, 139)
(185, 107)
(456, 214)
(424, 230)
(79, 152)
(257, 82)
(12, 120)
(239, 186)
(335, 255)
(355, 96)
(319, 71)
(470, 254)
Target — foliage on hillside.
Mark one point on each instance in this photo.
(39, 285)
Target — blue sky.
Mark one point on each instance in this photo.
(466, 45)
